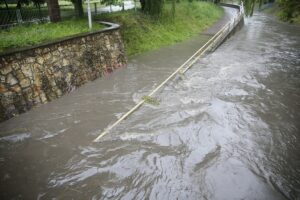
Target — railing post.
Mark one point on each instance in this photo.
(89, 14)
(19, 16)
(95, 5)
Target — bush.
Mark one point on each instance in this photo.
(290, 10)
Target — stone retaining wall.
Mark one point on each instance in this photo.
(42, 73)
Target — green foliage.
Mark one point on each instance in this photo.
(22, 36)
(78, 8)
(27, 2)
(154, 7)
(286, 11)
(249, 7)
(142, 32)
(110, 2)
(289, 10)
(173, 8)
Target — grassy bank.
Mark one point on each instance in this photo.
(142, 33)
(23, 36)
(278, 13)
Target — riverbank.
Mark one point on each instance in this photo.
(142, 33)
(275, 11)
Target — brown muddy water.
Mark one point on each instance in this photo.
(228, 129)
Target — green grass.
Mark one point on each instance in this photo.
(142, 33)
(23, 36)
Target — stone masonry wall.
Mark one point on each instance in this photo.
(41, 74)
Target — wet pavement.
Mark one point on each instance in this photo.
(228, 129)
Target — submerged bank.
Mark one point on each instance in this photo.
(142, 33)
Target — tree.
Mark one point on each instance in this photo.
(289, 9)
(143, 4)
(53, 10)
(249, 7)
(5, 4)
(37, 4)
(78, 7)
(153, 7)
(173, 8)
(26, 2)
(110, 3)
(53, 7)
(20, 2)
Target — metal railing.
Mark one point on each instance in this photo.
(13, 16)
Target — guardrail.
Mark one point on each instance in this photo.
(228, 28)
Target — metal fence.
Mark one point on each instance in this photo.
(30, 14)
(13, 16)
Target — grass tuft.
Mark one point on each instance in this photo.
(151, 100)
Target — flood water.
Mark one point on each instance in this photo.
(227, 129)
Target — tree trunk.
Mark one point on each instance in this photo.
(40, 12)
(143, 3)
(19, 4)
(173, 8)
(78, 8)
(6, 5)
(53, 10)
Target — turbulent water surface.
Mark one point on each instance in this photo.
(228, 129)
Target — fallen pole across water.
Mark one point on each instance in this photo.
(211, 43)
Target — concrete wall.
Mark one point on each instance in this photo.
(231, 27)
(39, 74)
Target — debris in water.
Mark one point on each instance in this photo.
(151, 100)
